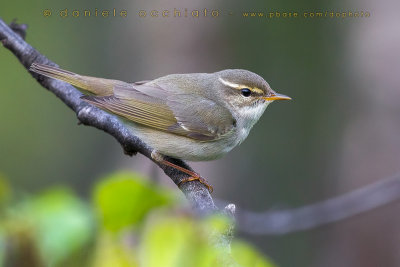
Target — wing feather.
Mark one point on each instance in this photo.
(151, 106)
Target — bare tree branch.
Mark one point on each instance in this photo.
(332, 210)
(195, 192)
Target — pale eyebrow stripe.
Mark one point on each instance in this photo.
(240, 86)
(257, 90)
(233, 85)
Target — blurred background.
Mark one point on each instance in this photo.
(340, 132)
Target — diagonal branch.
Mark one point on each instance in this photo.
(195, 192)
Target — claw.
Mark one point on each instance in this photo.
(193, 176)
(197, 178)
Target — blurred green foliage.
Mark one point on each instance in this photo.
(123, 201)
(129, 222)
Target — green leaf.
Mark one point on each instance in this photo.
(246, 255)
(112, 251)
(171, 239)
(62, 223)
(180, 242)
(124, 199)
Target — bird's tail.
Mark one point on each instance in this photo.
(96, 86)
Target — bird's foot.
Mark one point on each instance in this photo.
(197, 178)
(193, 176)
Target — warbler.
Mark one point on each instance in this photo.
(195, 116)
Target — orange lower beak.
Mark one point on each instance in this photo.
(276, 96)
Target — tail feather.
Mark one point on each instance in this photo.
(96, 86)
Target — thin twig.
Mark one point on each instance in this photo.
(358, 201)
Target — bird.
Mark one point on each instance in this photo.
(191, 116)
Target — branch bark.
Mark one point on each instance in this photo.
(12, 39)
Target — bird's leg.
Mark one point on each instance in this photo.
(193, 176)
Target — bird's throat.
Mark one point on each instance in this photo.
(249, 115)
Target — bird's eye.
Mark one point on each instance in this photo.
(245, 92)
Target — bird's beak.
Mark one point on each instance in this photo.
(276, 96)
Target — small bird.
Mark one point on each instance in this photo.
(195, 116)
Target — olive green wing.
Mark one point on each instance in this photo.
(202, 118)
(191, 116)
